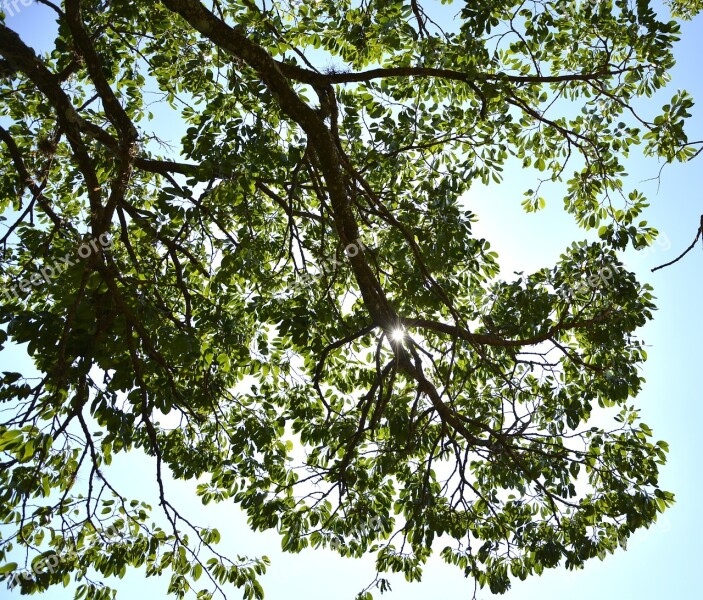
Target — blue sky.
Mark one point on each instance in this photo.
(662, 562)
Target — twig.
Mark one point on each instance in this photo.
(698, 235)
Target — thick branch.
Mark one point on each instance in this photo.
(22, 58)
(494, 340)
(320, 137)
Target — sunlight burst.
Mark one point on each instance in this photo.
(398, 335)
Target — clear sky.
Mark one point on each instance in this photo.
(664, 562)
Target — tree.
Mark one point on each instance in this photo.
(300, 283)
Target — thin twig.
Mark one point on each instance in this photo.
(698, 235)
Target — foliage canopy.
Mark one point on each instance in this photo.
(300, 283)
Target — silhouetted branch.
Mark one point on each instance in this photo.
(698, 235)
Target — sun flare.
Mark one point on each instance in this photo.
(398, 335)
